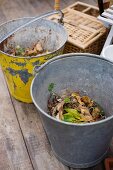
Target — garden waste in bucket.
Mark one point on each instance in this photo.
(85, 144)
(18, 70)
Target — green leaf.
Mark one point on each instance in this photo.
(68, 117)
(51, 87)
(102, 113)
(19, 50)
(74, 113)
(67, 100)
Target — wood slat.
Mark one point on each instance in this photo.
(18, 8)
(40, 6)
(12, 10)
(13, 153)
(2, 16)
(38, 146)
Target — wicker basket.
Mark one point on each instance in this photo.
(86, 33)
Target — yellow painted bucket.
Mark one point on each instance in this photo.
(19, 70)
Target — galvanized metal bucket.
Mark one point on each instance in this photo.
(77, 145)
(19, 70)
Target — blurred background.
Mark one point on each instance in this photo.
(10, 9)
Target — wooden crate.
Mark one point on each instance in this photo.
(84, 8)
(86, 33)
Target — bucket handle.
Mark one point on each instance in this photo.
(60, 20)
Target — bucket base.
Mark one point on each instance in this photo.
(85, 165)
(22, 99)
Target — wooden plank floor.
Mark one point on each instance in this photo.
(23, 142)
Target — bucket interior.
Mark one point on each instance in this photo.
(51, 36)
(90, 75)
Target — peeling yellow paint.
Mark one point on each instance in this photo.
(19, 73)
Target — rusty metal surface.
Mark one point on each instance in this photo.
(18, 69)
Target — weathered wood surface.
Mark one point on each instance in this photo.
(36, 141)
(19, 8)
(13, 152)
(23, 142)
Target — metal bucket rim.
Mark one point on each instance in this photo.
(37, 56)
(58, 58)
